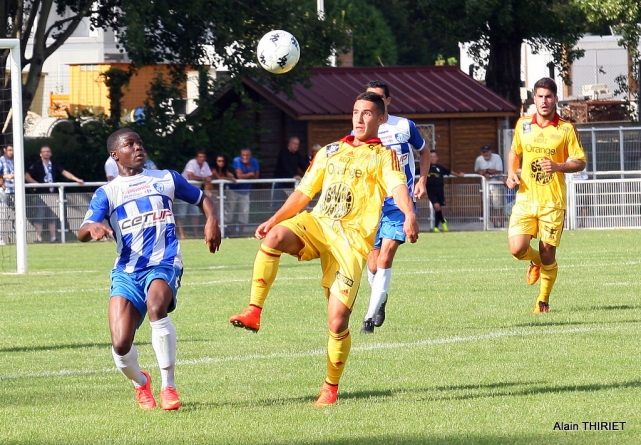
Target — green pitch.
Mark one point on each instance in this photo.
(460, 359)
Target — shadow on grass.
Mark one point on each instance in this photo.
(55, 347)
(573, 323)
(439, 393)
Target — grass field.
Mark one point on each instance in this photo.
(460, 359)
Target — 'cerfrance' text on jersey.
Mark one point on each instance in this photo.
(139, 211)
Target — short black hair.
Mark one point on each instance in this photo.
(373, 97)
(545, 83)
(432, 151)
(113, 138)
(378, 84)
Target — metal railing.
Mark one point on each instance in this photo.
(473, 203)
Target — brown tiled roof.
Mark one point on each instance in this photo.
(417, 91)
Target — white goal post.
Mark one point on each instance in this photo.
(15, 114)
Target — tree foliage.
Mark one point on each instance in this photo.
(372, 40)
(500, 27)
(624, 16)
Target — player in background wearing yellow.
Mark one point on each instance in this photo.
(545, 147)
(353, 176)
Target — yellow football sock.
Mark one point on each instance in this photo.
(338, 346)
(265, 270)
(548, 278)
(531, 255)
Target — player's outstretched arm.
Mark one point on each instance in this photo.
(212, 230)
(95, 231)
(296, 202)
(402, 198)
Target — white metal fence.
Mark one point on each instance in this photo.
(607, 200)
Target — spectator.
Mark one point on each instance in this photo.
(149, 164)
(221, 171)
(489, 164)
(245, 167)
(291, 163)
(111, 169)
(41, 172)
(315, 149)
(196, 169)
(7, 194)
(436, 189)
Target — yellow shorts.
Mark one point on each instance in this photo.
(543, 223)
(342, 265)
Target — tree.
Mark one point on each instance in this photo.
(184, 33)
(22, 20)
(624, 16)
(225, 33)
(372, 39)
(500, 27)
(420, 37)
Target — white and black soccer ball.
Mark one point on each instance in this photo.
(278, 51)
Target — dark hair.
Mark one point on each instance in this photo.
(378, 84)
(201, 152)
(432, 151)
(545, 83)
(113, 138)
(377, 99)
(218, 169)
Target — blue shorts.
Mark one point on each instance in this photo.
(390, 227)
(134, 286)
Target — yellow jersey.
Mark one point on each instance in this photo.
(557, 141)
(353, 181)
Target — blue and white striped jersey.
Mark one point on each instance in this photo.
(400, 134)
(139, 210)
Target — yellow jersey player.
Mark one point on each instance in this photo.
(544, 147)
(353, 176)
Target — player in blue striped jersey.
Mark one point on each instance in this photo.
(401, 135)
(137, 205)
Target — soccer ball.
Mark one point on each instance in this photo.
(278, 51)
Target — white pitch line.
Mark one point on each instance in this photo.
(313, 353)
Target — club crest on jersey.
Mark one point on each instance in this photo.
(402, 137)
(527, 127)
(159, 187)
(337, 202)
(332, 148)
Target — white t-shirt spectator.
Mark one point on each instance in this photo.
(197, 170)
(494, 163)
(111, 168)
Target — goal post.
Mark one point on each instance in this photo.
(15, 116)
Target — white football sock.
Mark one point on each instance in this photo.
(128, 365)
(370, 277)
(380, 286)
(163, 339)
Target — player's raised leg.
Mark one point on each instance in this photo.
(279, 240)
